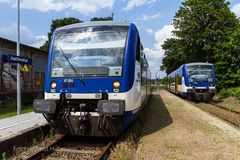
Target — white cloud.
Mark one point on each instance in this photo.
(148, 17)
(26, 35)
(84, 6)
(5, 1)
(137, 3)
(10, 32)
(154, 58)
(88, 7)
(236, 9)
(155, 55)
(162, 35)
(149, 30)
(43, 5)
(39, 41)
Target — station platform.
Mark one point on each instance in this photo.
(12, 126)
(175, 129)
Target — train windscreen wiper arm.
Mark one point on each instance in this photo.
(75, 71)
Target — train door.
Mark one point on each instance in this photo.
(143, 77)
(137, 98)
(182, 81)
(176, 83)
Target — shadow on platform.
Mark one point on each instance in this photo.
(158, 116)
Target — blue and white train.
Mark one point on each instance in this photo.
(97, 79)
(195, 81)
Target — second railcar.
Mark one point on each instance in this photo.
(195, 81)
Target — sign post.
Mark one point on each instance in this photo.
(18, 66)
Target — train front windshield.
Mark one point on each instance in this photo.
(200, 73)
(89, 51)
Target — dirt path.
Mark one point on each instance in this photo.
(176, 130)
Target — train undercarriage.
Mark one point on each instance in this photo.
(201, 94)
(85, 117)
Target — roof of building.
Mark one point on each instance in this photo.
(21, 45)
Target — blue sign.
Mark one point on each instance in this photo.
(16, 59)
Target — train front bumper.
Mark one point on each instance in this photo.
(111, 107)
(200, 90)
(201, 94)
(44, 106)
(105, 107)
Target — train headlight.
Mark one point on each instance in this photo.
(53, 85)
(210, 79)
(116, 84)
(190, 80)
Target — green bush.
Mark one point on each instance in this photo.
(235, 92)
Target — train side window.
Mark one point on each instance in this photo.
(138, 50)
(180, 79)
(182, 72)
(142, 47)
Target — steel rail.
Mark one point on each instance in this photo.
(106, 150)
(215, 114)
(44, 150)
(224, 108)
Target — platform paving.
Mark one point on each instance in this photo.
(16, 125)
(176, 130)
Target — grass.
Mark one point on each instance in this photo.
(224, 93)
(4, 156)
(124, 151)
(11, 109)
(126, 147)
(157, 87)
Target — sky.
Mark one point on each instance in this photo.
(152, 17)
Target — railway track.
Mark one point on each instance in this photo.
(224, 108)
(228, 115)
(74, 148)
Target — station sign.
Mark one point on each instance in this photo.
(16, 59)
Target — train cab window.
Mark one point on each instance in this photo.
(138, 52)
(93, 51)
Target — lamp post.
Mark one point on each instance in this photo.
(18, 65)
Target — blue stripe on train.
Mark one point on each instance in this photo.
(129, 117)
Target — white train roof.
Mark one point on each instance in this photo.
(94, 23)
(198, 63)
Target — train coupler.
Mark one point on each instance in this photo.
(102, 122)
(83, 119)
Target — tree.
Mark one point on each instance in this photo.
(205, 31)
(102, 19)
(58, 23)
(202, 24)
(228, 61)
(164, 81)
(174, 56)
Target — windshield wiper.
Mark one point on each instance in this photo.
(75, 71)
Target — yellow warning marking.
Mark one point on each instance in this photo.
(38, 82)
(25, 68)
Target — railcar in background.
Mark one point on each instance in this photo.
(195, 81)
(97, 80)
